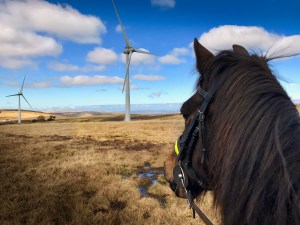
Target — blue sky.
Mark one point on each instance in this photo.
(71, 51)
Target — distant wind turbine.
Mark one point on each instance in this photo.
(128, 52)
(20, 93)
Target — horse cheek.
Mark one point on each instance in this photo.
(169, 166)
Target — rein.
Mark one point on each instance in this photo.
(183, 172)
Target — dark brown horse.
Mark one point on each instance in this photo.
(248, 149)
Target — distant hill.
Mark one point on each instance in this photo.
(76, 113)
(8, 114)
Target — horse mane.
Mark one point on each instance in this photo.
(253, 142)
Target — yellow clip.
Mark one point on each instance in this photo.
(176, 148)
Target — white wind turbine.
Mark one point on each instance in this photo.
(20, 93)
(128, 52)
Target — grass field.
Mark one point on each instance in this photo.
(26, 115)
(91, 170)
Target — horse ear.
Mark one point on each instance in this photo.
(203, 56)
(239, 49)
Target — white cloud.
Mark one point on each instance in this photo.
(29, 28)
(164, 3)
(39, 85)
(175, 56)
(250, 37)
(118, 28)
(148, 77)
(30, 85)
(62, 67)
(180, 51)
(157, 94)
(102, 56)
(135, 87)
(16, 43)
(170, 59)
(68, 67)
(139, 58)
(11, 84)
(58, 20)
(82, 80)
(16, 63)
(132, 87)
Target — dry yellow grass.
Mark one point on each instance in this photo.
(298, 107)
(26, 115)
(70, 172)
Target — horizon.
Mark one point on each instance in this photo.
(78, 61)
(153, 108)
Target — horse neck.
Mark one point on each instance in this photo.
(254, 154)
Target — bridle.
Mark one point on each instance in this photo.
(183, 172)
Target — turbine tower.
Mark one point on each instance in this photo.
(19, 94)
(129, 50)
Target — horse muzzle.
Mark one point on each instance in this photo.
(178, 190)
(169, 177)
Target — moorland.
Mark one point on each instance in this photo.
(91, 169)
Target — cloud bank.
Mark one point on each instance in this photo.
(175, 56)
(157, 94)
(148, 77)
(102, 56)
(42, 16)
(82, 80)
(252, 38)
(30, 28)
(63, 67)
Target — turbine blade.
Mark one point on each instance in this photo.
(26, 100)
(128, 59)
(124, 84)
(128, 45)
(143, 52)
(22, 85)
(12, 95)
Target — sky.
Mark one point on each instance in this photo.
(71, 50)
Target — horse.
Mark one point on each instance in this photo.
(241, 141)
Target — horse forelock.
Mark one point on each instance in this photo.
(253, 132)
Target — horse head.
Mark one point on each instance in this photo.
(241, 141)
(188, 111)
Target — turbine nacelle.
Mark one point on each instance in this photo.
(127, 51)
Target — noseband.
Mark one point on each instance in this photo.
(183, 172)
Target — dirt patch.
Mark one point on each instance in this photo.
(100, 210)
(89, 194)
(117, 144)
(17, 135)
(57, 138)
(118, 205)
(139, 146)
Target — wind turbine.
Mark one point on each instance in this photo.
(20, 93)
(129, 50)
